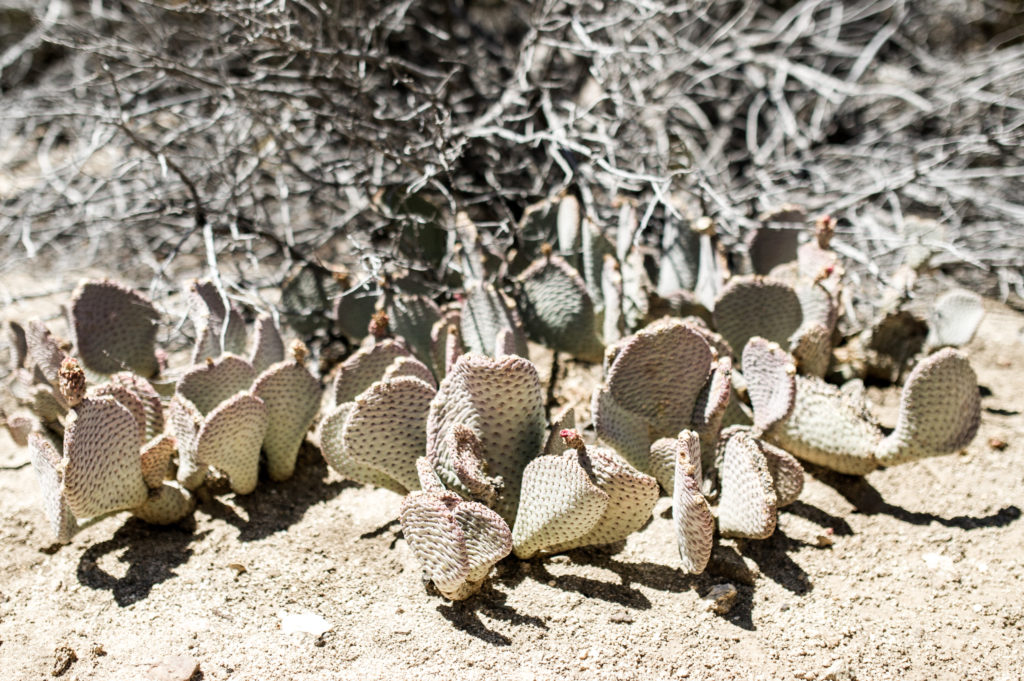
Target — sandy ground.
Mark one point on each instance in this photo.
(914, 572)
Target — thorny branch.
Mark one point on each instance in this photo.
(281, 120)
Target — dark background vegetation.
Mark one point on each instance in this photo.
(263, 132)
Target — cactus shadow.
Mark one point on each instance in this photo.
(772, 558)
(867, 500)
(819, 517)
(276, 506)
(151, 553)
(465, 616)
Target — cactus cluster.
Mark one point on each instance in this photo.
(102, 437)
(713, 388)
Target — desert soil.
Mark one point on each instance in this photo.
(914, 572)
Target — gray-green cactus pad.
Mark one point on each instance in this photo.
(691, 514)
(558, 309)
(102, 468)
(747, 506)
(209, 385)
(559, 504)
(502, 402)
(754, 306)
(47, 464)
(114, 328)
(292, 398)
(940, 410)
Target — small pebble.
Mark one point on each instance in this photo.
(837, 671)
(173, 668)
(721, 598)
(63, 658)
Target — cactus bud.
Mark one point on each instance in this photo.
(72, 381)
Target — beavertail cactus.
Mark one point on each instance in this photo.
(114, 328)
(107, 464)
(939, 414)
(486, 446)
(659, 382)
(223, 413)
(558, 310)
(756, 306)
(376, 430)
(219, 326)
(954, 319)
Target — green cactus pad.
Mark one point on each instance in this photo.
(680, 260)
(364, 368)
(502, 402)
(445, 343)
(631, 497)
(47, 464)
(769, 372)
(337, 456)
(691, 514)
(747, 506)
(825, 429)
(156, 459)
(755, 306)
(18, 342)
(114, 328)
(230, 440)
(292, 398)
(103, 471)
(167, 504)
(558, 311)
(209, 385)
(485, 312)
(661, 461)
(386, 428)
(817, 305)
(267, 345)
(559, 504)
(456, 541)
(940, 410)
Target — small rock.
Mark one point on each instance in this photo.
(622, 617)
(721, 598)
(838, 671)
(63, 658)
(826, 538)
(173, 668)
(583, 654)
(997, 443)
(306, 623)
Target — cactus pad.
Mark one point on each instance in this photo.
(47, 464)
(362, 369)
(114, 328)
(755, 306)
(940, 410)
(558, 310)
(103, 471)
(691, 514)
(485, 312)
(559, 504)
(338, 457)
(502, 402)
(456, 541)
(166, 504)
(230, 440)
(267, 346)
(769, 372)
(748, 504)
(209, 385)
(292, 398)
